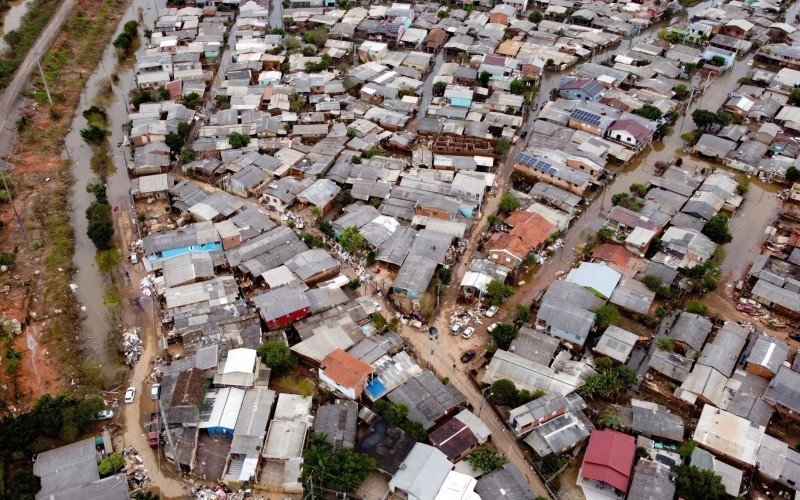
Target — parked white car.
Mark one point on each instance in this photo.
(491, 311)
(130, 395)
(491, 327)
(454, 328)
(155, 391)
(468, 332)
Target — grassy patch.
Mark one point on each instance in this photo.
(303, 386)
(21, 40)
(67, 66)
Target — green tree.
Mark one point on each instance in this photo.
(687, 448)
(502, 146)
(695, 483)
(517, 86)
(317, 36)
(551, 464)
(497, 291)
(504, 392)
(111, 464)
(277, 356)
(704, 119)
(188, 156)
(351, 240)
(444, 274)
(639, 190)
(192, 100)
(794, 97)
(717, 230)
(439, 88)
(792, 175)
(351, 133)
(696, 307)
(535, 17)
(483, 78)
(94, 134)
(238, 141)
(184, 129)
(344, 198)
(341, 471)
(503, 334)
(123, 43)
(665, 344)
(23, 485)
(609, 383)
(681, 91)
(325, 227)
(174, 142)
(610, 420)
(523, 313)
(508, 203)
(607, 315)
(649, 111)
(486, 459)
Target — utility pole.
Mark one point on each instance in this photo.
(44, 81)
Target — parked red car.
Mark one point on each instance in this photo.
(152, 439)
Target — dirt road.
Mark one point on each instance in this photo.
(11, 93)
(135, 415)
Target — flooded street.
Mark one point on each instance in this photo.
(12, 18)
(91, 284)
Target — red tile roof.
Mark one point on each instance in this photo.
(345, 369)
(616, 254)
(609, 458)
(529, 231)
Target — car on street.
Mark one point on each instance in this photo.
(491, 311)
(794, 335)
(105, 414)
(134, 258)
(468, 332)
(455, 328)
(433, 332)
(152, 439)
(155, 391)
(491, 327)
(467, 356)
(130, 395)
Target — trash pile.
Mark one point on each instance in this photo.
(135, 471)
(215, 493)
(132, 345)
(156, 366)
(147, 286)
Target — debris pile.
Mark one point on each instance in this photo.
(132, 345)
(147, 286)
(135, 471)
(156, 365)
(216, 493)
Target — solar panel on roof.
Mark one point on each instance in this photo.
(586, 116)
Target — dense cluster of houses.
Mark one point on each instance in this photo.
(394, 120)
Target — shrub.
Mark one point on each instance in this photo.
(696, 307)
(111, 464)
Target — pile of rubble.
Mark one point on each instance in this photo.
(215, 493)
(135, 471)
(132, 345)
(147, 286)
(156, 365)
